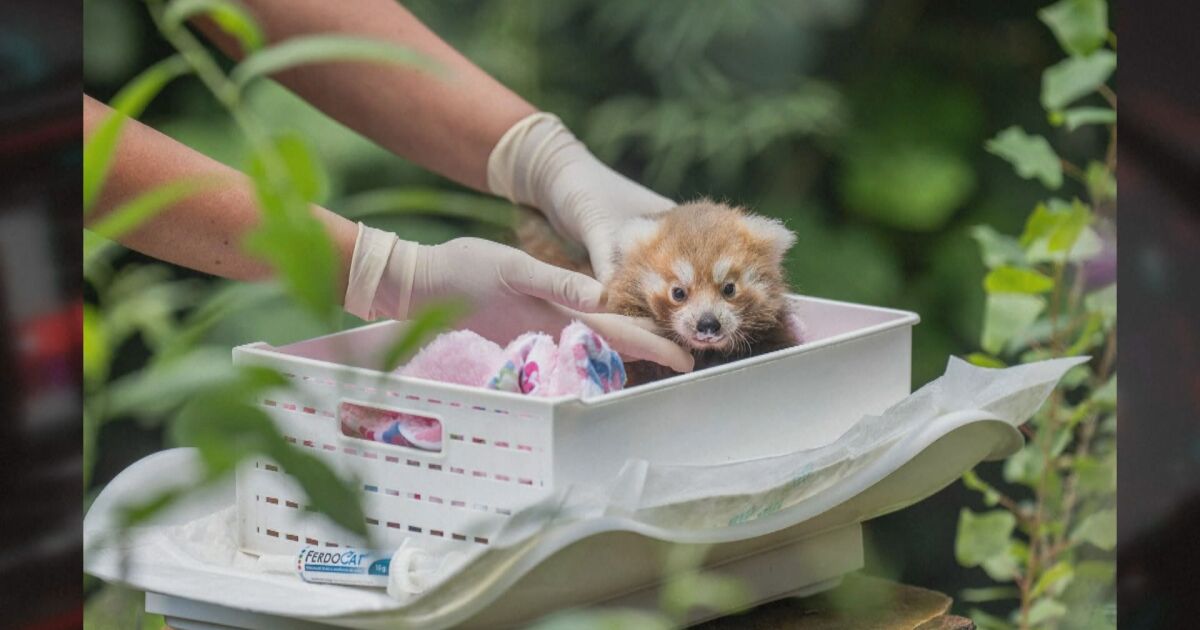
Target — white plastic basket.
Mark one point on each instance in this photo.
(501, 451)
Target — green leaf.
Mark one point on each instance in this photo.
(1006, 317)
(96, 352)
(1025, 466)
(1076, 77)
(303, 167)
(997, 249)
(1077, 117)
(1004, 567)
(988, 621)
(327, 493)
(1103, 302)
(1081, 26)
(136, 514)
(1054, 580)
(309, 49)
(1058, 231)
(1031, 156)
(720, 593)
(415, 200)
(133, 213)
(972, 480)
(289, 237)
(100, 146)
(1099, 529)
(1045, 610)
(230, 16)
(160, 388)
(982, 536)
(1016, 280)
(431, 320)
(1105, 396)
(990, 594)
(1097, 477)
(1101, 184)
(985, 360)
(97, 254)
(225, 300)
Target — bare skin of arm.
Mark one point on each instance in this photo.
(204, 231)
(447, 123)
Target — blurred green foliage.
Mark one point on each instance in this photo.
(1052, 528)
(860, 123)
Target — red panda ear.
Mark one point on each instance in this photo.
(772, 231)
(633, 233)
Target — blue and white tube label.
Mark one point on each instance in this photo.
(354, 567)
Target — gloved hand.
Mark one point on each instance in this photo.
(539, 163)
(509, 291)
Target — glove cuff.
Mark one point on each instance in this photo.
(523, 164)
(382, 269)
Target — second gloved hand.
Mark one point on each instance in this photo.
(509, 292)
(541, 164)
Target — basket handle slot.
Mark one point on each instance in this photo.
(392, 427)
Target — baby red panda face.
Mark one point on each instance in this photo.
(707, 274)
(703, 306)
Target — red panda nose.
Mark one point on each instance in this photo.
(708, 324)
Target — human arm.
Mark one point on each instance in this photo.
(458, 122)
(203, 231)
(379, 274)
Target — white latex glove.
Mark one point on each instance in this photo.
(509, 291)
(539, 163)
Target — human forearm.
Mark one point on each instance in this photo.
(448, 122)
(204, 231)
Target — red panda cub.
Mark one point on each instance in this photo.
(710, 277)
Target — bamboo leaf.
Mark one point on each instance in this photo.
(100, 146)
(133, 213)
(430, 321)
(309, 49)
(429, 201)
(230, 16)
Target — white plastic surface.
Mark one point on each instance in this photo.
(591, 543)
(502, 451)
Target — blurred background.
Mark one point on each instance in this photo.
(859, 122)
(40, 307)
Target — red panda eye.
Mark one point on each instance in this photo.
(678, 294)
(728, 290)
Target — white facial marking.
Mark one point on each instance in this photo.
(683, 271)
(721, 269)
(653, 282)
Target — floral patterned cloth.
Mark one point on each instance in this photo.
(580, 364)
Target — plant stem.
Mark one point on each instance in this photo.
(1110, 97)
(1075, 172)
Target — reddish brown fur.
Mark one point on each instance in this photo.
(703, 233)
